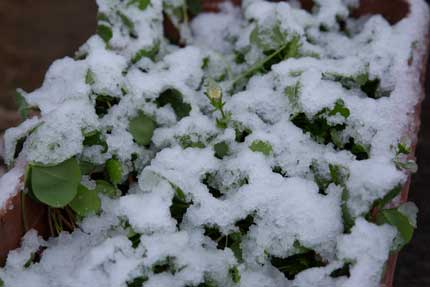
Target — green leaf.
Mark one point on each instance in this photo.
(105, 32)
(141, 4)
(138, 281)
(388, 197)
(23, 106)
(104, 103)
(343, 271)
(89, 77)
(403, 148)
(341, 109)
(221, 149)
(261, 146)
(175, 99)
(86, 167)
(339, 174)
(179, 205)
(114, 170)
(142, 128)
(348, 220)
(398, 220)
(106, 188)
(235, 274)
(293, 93)
(150, 53)
(56, 185)
(1, 283)
(128, 23)
(96, 138)
(86, 201)
(293, 265)
(186, 141)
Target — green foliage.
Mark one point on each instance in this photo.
(288, 50)
(138, 281)
(324, 132)
(214, 93)
(381, 203)
(232, 240)
(141, 4)
(142, 128)
(104, 103)
(168, 264)
(179, 205)
(241, 132)
(175, 99)
(114, 170)
(235, 274)
(56, 185)
(89, 77)
(86, 201)
(1, 283)
(261, 146)
(371, 87)
(293, 265)
(128, 23)
(104, 187)
(343, 271)
(105, 32)
(150, 53)
(400, 221)
(95, 138)
(293, 93)
(23, 106)
(186, 141)
(221, 149)
(403, 148)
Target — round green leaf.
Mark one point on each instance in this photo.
(261, 146)
(56, 185)
(114, 170)
(86, 201)
(142, 128)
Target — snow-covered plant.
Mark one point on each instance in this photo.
(263, 147)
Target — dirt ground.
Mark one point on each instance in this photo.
(36, 32)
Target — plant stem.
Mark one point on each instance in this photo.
(258, 65)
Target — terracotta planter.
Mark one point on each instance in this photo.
(12, 215)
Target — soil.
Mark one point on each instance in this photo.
(36, 32)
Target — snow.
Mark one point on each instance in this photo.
(281, 190)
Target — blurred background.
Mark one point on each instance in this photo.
(36, 32)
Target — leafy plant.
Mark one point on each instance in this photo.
(86, 201)
(234, 274)
(214, 94)
(105, 32)
(261, 146)
(371, 87)
(141, 4)
(104, 103)
(179, 205)
(174, 98)
(142, 128)
(23, 106)
(137, 282)
(114, 170)
(56, 185)
(293, 265)
(400, 221)
(221, 149)
(95, 138)
(150, 53)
